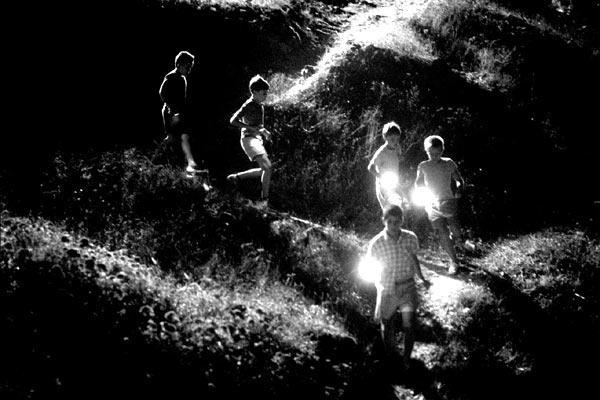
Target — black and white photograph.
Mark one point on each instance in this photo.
(291, 200)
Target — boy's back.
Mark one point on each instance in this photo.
(173, 91)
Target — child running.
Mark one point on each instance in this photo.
(251, 118)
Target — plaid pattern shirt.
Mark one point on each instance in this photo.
(396, 256)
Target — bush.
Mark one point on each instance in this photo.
(78, 316)
(123, 200)
(542, 73)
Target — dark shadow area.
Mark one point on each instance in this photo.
(560, 346)
(92, 83)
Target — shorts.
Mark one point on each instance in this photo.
(171, 128)
(402, 297)
(443, 209)
(387, 198)
(253, 146)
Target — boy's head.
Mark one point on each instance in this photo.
(392, 133)
(434, 146)
(259, 87)
(184, 61)
(392, 219)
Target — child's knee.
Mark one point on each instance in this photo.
(408, 321)
(265, 164)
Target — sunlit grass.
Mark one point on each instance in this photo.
(443, 298)
(461, 24)
(232, 3)
(270, 326)
(384, 27)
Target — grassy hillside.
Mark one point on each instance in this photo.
(506, 85)
(280, 296)
(512, 94)
(86, 322)
(98, 67)
(119, 274)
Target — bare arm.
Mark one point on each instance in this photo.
(420, 180)
(236, 121)
(458, 177)
(373, 169)
(419, 272)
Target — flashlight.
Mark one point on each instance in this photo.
(422, 197)
(369, 269)
(389, 181)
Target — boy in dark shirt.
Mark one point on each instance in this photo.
(173, 92)
(250, 118)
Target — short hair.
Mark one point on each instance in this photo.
(392, 128)
(433, 141)
(258, 83)
(184, 57)
(392, 211)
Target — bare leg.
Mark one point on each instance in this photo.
(444, 235)
(249, 174)
(408, 322)
(389, 332)
(265, 165)
(187, 150)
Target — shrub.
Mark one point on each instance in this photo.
(80, 315)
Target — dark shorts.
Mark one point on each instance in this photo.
(444, 209)
(172, 128)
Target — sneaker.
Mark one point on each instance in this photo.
(194, 169)
(263, 203)
(196, 173)
(453, 269)
(469, 246)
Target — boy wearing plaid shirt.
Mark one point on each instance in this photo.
(396, 250)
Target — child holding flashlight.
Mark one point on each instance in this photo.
(440, 175)
(395, 249)
(384, 166)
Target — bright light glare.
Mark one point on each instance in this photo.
(422, 197)
(369, 269)
(389, 180)
(445, 289)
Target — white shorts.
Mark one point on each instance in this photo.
(402, 297)
(442, 209)
(253, 146)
